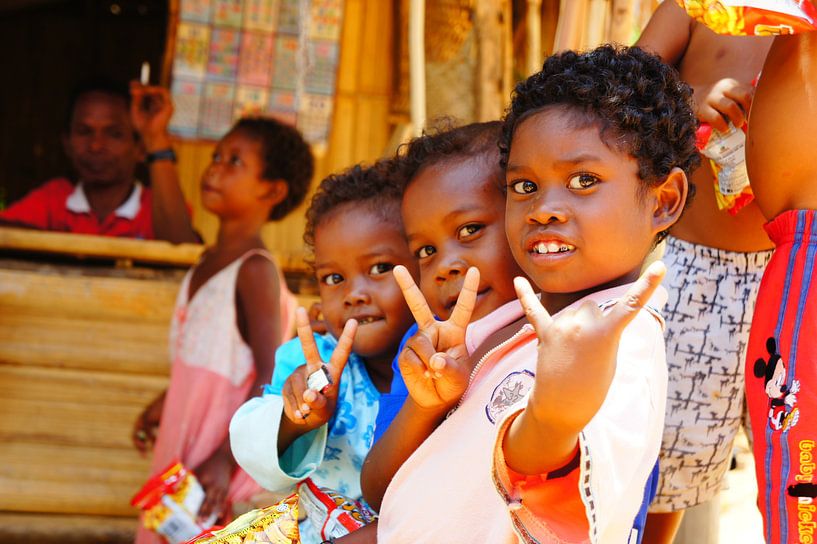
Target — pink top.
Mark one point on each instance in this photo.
(212, 372)
(475, 497)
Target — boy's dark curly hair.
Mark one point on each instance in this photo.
(379, 187)
(444, 142)
(286, 156)
(641, 105)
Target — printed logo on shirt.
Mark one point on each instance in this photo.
(783, 414)
(510, 390)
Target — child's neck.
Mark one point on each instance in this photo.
(556, 302)
(239, 233)
(380, 372)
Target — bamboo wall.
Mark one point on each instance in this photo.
(83, 349)
(361, 125)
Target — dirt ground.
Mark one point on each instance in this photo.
(740, 520)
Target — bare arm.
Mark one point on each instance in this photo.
(258, 301)
(667, 33)
(782, 138)
(577, 356)
(151, 110)
(435, 367)
(412, 425)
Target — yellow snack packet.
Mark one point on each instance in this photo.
(276, 524)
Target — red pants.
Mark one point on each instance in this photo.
(781, 381)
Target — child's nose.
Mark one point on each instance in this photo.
(357, 297)
(545, 212)
(451, 267)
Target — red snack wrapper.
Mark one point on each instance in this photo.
(170, 501)
(332, 514)
(753, 17)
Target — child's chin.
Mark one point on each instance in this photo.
(374, 343)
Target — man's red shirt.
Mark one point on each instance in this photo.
(62, 206)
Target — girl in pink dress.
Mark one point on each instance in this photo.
(230, 315)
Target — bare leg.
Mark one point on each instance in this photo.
(661, 527)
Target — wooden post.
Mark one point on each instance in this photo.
(417, 73)
(570, 29)
(534, 58)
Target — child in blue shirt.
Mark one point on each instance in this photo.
(293, 432)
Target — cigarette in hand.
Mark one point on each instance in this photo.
(144, 76)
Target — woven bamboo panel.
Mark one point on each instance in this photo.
(53, 478)
(61, 318)
(72, 407)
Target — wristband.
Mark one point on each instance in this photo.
(161, 155)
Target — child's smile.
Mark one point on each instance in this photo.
(356, 248)
(453, 215)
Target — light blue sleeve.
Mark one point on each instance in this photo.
(254, 443)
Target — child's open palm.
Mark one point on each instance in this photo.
(577, 351)
(434, 362)
(307, 407)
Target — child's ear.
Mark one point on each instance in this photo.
(275, 191)
(670, 199)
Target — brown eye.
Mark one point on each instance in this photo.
(524, 187)
(469, 230)
(426, 251)
(332, 279)
(380, 268)
(582, 181)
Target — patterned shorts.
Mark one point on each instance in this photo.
(712, 296)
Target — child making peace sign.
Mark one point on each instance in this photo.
(296, 431)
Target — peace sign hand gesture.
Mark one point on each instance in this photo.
(308, 408)
(434, 362)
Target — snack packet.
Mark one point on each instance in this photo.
(170, 501)
(277, 524)
(726, 152)
(753, 17)
(332, 514)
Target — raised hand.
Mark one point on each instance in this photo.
(726, 100)
(304, 407)
(434, 362)
(151, 110)
(577, 351)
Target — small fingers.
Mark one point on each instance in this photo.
(742, 94)
(731, 109)
(292, 406)
(310, 349)
(708, 114)
(467, 299)
(414, 298)
(535, 312)
(341, 353)
(639, 293)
